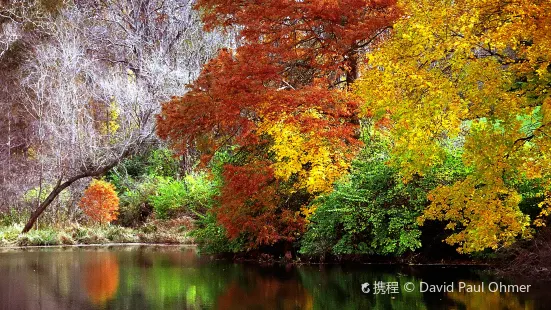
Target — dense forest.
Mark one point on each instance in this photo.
(314, 128)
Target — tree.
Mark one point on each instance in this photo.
(92, 88)
(474, 76)
(18, 31)
(280, 100)
(100, 201)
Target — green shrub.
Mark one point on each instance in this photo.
(134, 205)
(200, 192)
(194, 194)
(149, 227)
(14, 216)
(211, 237)
(171, 194)
(38, 237)
(155, 163)
(149, 183)
(136, 179)
(161, 162)
(374, 211)
(9, 234)
(77, 232)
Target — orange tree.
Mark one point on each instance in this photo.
(100, 201)
(280, 100)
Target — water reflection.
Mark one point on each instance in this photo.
(101, 277)
(489, 300)
(266, 293)
(176, 278)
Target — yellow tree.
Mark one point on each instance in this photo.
(294, 147)
(475, 75)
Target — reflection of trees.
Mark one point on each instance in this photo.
(101, 277)
(340, 288)
(168, 278)
(488, 300)
(41, 279)
(172, 279)
(266, 293)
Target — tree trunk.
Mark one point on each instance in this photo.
(61, 186)
(43, 205)
(352, 73)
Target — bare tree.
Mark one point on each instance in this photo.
(16, 17)
(94, 85)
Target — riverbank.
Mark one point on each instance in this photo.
(155, 232)
(8, 249)
(408, 259)
(528, 259)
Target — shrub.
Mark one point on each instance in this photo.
(120, 234)
(170, 196)
(9, 234)
(195, 193)
(161, 162)
(65, 238)
(374, 211)
(166, 231)
(137, 179)
(134, 207)
(211, 237)
(86, 235)
(38, 237)
(32, 195)
(13, 216)
(155, 163)
(161, 237)
(100, 201)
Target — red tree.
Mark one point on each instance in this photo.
(294, 65)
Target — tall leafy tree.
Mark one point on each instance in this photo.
(474, 75)
(281, 98)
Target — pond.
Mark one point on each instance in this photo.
(174, 277)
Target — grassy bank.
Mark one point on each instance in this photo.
(154, 232)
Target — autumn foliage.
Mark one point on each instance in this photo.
(471, 77)
(100, 201)
(250, 204)
(282, 99)
(438, 80)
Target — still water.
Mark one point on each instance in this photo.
(148, 277)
